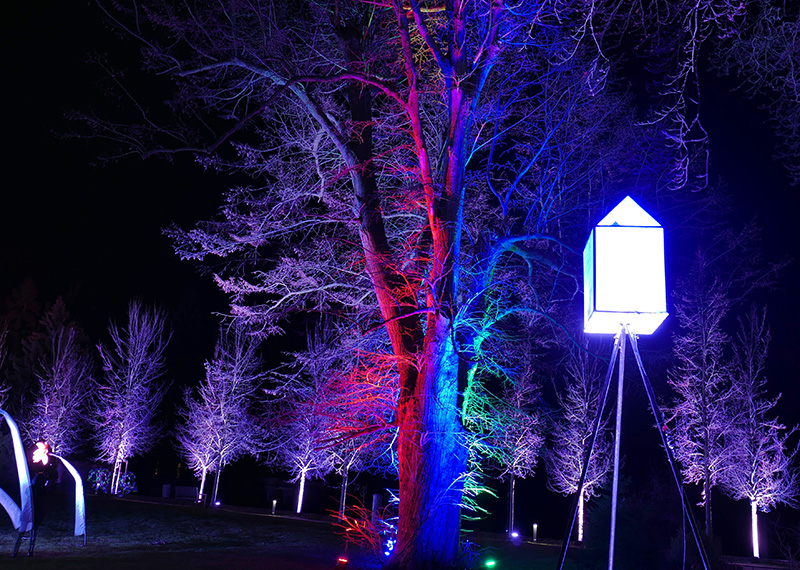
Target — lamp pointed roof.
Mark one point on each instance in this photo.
(629, 213)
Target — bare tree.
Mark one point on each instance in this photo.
(702, 409)
(356, 396)
(521, 434)
(193, 436)
(303, 451)
(218, 424)
(724, 270)
(579, 403)
(761, 467)
(64, 369)
(313, 434)
(426, 169)
(131, 390)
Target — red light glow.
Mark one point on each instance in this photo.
(42, 453)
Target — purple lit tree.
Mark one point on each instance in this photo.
(358, 397)
(64, 370)
(131, 390)
(312, 435)
(719, 277)
(218, 425)
(520, 438)
(425, 169)
(702, 410)
(579, 403)
(761, 467)
(303, 450)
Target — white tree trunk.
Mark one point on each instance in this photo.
(116, 476)
(754, 528)
(216, 486)
(203, 477)
(511, 503)
(301, 491)
(580, 517)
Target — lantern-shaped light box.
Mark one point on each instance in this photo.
(624, 279)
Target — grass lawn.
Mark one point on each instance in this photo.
(137, 534)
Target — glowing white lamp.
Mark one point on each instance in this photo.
(624, 281)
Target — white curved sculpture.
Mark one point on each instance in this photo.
(22, 514)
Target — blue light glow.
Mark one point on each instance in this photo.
(388, 547)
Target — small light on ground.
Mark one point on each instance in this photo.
(491, 563)
(515, 534)
(341, 562)
(217, 504)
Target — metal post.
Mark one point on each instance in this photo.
(615, 484)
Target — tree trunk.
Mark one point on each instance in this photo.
(432, 460)
(116, 476)
(202, 485)
(754, 528)
(343, 492)
(510, 504)
(301, 492)
(580, 516)
(707, 496)
(216, 486)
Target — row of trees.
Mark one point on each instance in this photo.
(725, 430)
(292, 417)
(424, 173)
(61, 399)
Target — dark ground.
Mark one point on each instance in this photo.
(138, 534)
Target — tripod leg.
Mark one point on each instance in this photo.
(659, 418)
(588, 452)
(617, 432)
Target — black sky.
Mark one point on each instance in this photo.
(92, 234)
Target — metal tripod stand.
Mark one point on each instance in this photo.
(619, 351)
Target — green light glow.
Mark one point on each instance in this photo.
(491, 563)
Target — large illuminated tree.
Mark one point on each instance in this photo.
(218, 425)
(64, 368)
(760, 468)
(417, 166)
(702, 409)
(131, 390)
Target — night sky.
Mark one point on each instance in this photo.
(92, 234)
